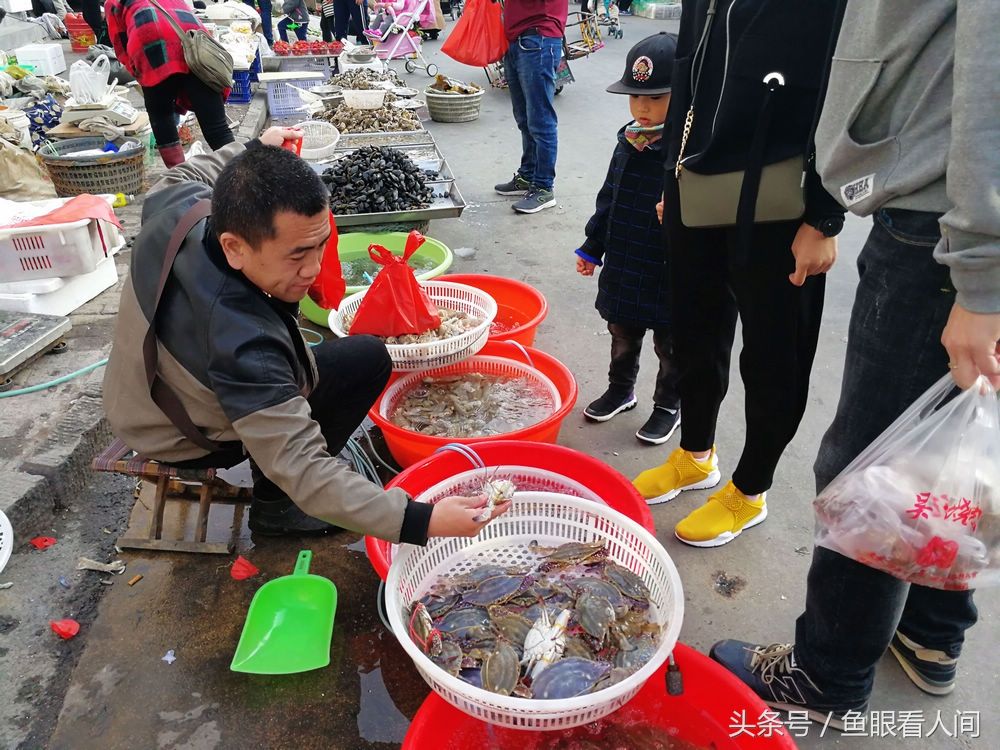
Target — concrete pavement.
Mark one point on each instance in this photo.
(118, 692)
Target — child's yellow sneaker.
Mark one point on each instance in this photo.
(725, 516)
(681, 472)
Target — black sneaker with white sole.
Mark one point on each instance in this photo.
(609, 405)
(774, 675)
(535, 200)
(930, 670)
(517, 185)
(662, 423)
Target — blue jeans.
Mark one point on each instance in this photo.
(530, 67)
(265, 18)
(300, 30)
(902, 304)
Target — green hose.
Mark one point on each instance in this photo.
(52, 383)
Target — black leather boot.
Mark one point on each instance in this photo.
(272, 512)
(282, 517)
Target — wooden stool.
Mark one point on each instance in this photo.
(174, 484)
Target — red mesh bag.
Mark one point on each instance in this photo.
(395, 303)
(328, 289)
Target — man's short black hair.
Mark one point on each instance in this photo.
(259, 183)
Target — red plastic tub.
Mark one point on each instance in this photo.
(409, 447)
(521, 307)
(713, 706)
(604, 481)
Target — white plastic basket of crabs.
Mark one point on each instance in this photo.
(536, 521)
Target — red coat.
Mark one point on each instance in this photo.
(145, 42)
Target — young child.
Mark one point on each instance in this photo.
(624, 236)
(383, 19)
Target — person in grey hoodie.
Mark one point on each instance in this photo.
(295, 13)
(910, 133)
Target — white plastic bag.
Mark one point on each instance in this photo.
(89, 83)
(922, 503)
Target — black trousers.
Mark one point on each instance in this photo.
(713, 284)
(349, 17)
(207, 105)
(326, 27)
(352, 374)
(626, 346)
(92, 15)
(902, 304)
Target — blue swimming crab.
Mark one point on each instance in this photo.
(569, 678)
(545, 642)
(497, 491)
(572, 553)
(423, 632)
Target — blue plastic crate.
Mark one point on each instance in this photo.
(284, 101)
(242, 91)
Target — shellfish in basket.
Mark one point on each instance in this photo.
(571, 624)
(497, 491)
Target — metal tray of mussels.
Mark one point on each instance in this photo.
(446, 203)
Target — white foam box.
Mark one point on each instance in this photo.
(15, 6)
(58, 296)
(48, 59)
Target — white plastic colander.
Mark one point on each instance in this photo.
(548, 520)
(410, 357)
(525, 479)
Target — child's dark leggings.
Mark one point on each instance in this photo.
(626, 345)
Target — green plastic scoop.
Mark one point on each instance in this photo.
(290, 624)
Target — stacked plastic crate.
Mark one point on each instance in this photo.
(53, 269)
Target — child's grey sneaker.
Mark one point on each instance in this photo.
(517, 185)
(535, 200)
(931, 671)
(660, 426)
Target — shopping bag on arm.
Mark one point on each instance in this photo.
(395, 304)
(478, 38)
(922, 503)
(328, 289)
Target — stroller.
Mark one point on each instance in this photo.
(402, 41)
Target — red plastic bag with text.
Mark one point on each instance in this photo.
(328, 289)
(922, 503)
(395, 304)
(478, 38)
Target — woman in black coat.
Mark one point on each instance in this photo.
(747, 85)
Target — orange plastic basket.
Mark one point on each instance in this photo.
(408, 447)
(521, 307)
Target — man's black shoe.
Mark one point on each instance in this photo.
(931, 671)
(284, 518)
(777, 678)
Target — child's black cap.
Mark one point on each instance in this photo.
(648, 67)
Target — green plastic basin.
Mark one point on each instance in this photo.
(354, 246)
